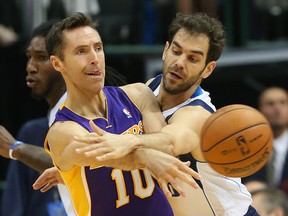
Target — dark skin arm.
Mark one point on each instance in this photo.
(33, 156)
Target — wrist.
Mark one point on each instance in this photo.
(135, 142)
(12, 149)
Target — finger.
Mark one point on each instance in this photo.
(96, 129)
(187, 179)
(107, 156)
(189, 171)
(89, 148)
(97, 152)
(47, 187)
(177, 187)
(88, 140)
(41, 181)
(165, 188)
(187, 163)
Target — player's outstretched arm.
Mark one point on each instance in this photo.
(33, 156)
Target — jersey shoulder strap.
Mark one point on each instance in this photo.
(155, 82)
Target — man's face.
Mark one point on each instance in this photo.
(41, 76)
(274, 106)
(184, 62)
(84, 62)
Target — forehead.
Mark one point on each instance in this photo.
(192, 41)
(37, 44)
(81, 35)
(274, 95)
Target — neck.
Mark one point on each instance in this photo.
(90, 107)
(168, 101)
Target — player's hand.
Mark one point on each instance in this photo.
(6, 141)
(48, 179)
(167, 169)
(105, 146)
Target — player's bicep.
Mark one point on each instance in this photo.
(62, 145)
(147, 103)
(153, 119)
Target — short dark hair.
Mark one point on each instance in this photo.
(44, 28)
(201, 23)
(55, 42)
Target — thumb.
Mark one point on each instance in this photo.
(96, 129)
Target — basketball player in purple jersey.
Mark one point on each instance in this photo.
(76, 50)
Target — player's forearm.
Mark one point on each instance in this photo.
(33, 156)
(129, 162)
(158, 141)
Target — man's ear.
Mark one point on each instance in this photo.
(56, 62)
(164, 54)
(209, 69)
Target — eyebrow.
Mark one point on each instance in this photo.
(193, 51)
(87, 45)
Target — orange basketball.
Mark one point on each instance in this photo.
(236, 140)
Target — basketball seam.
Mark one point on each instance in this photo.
(269, 138)
(262, 123)
(220, 116)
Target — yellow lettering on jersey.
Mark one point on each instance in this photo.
(135, 129)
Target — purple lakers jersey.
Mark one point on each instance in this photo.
(105, 191)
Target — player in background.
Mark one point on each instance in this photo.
(45, 83)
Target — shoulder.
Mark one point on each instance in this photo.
(65, 128)
(141, 95)
(135, 86)
(136, 90)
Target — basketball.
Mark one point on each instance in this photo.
(236, 140)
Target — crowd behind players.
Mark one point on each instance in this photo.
(269, 186)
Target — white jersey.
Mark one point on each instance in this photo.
(220, 195)
(63, 191)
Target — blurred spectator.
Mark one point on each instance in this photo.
(90, 7)
(23, 16)
(255, 185)
(191, 6)
(273, 104)
(270, 202)
(7, 36)
(272, 16)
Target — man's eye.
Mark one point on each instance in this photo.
(43, 58)
(98, 48)
(81, 51)
(192, 59)
(176, 52)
